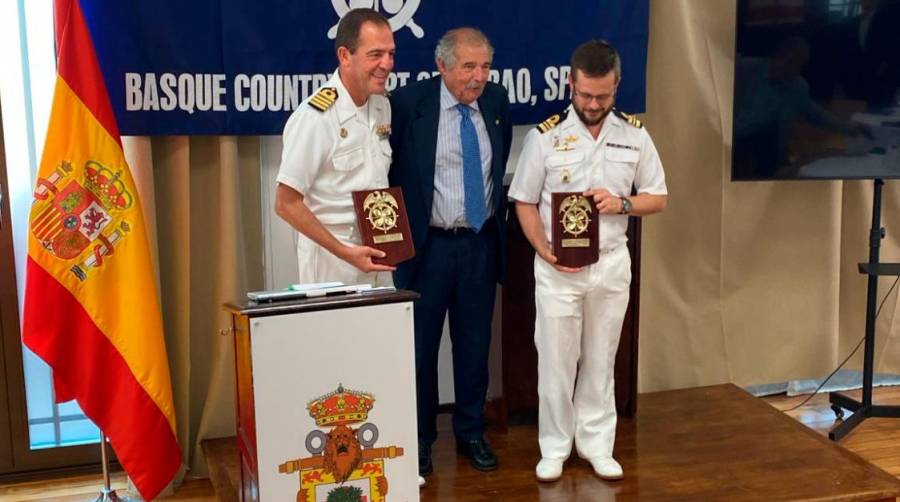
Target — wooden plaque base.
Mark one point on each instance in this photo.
(383, 223)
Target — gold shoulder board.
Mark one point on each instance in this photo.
(631, 119)
(323, 99)
(551, 122)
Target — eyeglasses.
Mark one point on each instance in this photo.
(601, 99)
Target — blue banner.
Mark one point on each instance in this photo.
(240, 66)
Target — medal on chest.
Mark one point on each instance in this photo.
(567, 143)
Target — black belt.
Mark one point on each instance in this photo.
(453, 231)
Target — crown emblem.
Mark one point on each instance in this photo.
(341, 407)
(106, 186)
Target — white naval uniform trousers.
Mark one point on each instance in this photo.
(578, 324)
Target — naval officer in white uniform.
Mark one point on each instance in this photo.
(336, 142)
(593, 149)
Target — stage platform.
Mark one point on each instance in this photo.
(706, 443)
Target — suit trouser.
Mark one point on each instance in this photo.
(577, 330)
(457, 274)
(318, 265)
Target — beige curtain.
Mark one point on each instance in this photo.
(203, 201)
(748, 283)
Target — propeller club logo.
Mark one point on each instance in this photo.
(399, 13)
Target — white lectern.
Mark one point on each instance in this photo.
(326, 399)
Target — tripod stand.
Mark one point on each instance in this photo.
(865, 409)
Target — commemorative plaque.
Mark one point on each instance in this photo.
(383, 224)
(575, 230)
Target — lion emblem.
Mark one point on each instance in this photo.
(343, 453)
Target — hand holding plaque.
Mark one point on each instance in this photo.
(383, 224)
(575, 230)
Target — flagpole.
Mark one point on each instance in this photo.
(107, 494)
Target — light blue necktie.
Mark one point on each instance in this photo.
(473, 179)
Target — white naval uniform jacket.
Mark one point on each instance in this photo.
(567, 158)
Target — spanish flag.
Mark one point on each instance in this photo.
(91, 306)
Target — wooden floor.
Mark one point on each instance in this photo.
(697, 444)
(87, 487)
(877, 441)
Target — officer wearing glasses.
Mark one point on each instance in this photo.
(594, 149)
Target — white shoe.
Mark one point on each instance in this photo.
(549, 469)
(421, 481)
(606, 468)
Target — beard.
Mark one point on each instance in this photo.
(591, 121)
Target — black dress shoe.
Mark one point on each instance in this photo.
(425, 465)
(479, 452)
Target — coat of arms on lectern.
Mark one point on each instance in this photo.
(345, 465)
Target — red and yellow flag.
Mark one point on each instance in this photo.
(91, 306)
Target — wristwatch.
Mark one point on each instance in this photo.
(626, 205)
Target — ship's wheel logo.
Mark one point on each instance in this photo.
(381, 209)
(576, 214)
(399, 13)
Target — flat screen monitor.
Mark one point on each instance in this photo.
(816, 90)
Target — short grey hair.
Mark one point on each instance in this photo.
(445, 50)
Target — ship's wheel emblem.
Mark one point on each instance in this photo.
(381, 210)
(576, 214)
(399, 13)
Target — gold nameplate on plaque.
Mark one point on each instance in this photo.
(383, 239)
(576, 243)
